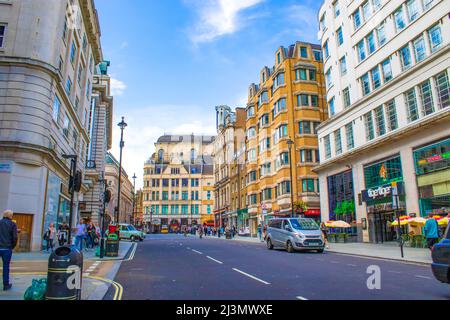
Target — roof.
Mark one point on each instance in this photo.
(185, 138)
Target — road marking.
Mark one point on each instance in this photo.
(396, 272)
(117, 286)
(423, 277)
(250, 276)
(351, 265)
(334, 262)
(219, 262)
(302, 298)
(197, 251)
(131, 257)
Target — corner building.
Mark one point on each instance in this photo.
(287, 104)
(386, 68)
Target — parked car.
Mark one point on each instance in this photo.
(441, 259)
(295, 234)
(129, 232)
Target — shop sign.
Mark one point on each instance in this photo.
(381, 192)
(5, 168)
(312, 212)
(434, 159)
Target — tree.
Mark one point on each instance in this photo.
(300, 206)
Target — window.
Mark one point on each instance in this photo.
(278, 57)
(413, 10)
(300, 74)
(340, 36)
(306, 156)
(380, 120)
(357, 19)
(316, 127)
(263, 98)
(392, 115)
(349, 135)
(381, 34)
(405, 57)
(399, 19)
(264, 120)
(304, 52)
(279, 106)
(328, 79)
(305, 127)
(278, 81)
(303, 100)
(77, 103)
(73, 51)
(376, 78)
(435, 38)
(366, 11)
(251, 155)
(282, 160)
(80, 71)
(365, 83)
(338, 142)
(371, 43)
(314, 101)
(411, 104)
(368, 121)
(376, 4)
(88, 89)
(337, 11)
(322, 23)
(252, 176)
(343, 66)
(68, 86)
(443, 89)
(250, 112)
(387, 70)
(2, 35)
(251, 133)
(325, 50)
(84, 43)
(308, 185)
(427, 4)
(282, 131)
(346, 96)
(317, 55)
(419, 49)
(327, 145)
(195, 183)
(284, 188)
(331, 107)
(66, 125)
(312, 75)
(264, 145)
(426, 98)
(65, 28)
(361, 50)
(266, 194)
(56, 108)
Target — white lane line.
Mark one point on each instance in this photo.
(250, 276)
(423, 277)
(396, 272)
(352, 265)
(197, 251)
(219, 262)
(334, 262)
(302, 298)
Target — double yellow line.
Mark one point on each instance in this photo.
(117, 286)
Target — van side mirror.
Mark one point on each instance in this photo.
(288, 228)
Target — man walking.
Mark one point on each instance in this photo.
(8, 241)
(79, 237)
(431, 231)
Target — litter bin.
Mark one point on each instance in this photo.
(228, 235)
(64, 277)
(112, 246)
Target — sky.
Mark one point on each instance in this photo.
(173, 61)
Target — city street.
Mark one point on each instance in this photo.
(172, 267)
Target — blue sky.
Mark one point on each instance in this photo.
(173, 61)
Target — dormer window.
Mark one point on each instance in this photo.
(278, 57)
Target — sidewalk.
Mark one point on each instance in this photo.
(387, 251)
(93, 288)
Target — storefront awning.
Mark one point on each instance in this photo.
(312, 212)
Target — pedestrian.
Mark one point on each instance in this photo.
(260, 232)
(49, 236)
(264, 232)
(79, 237)
(63, 234)
(431, 231)
(200, 232)
(90, 230)
(8, 241)
(324, 229)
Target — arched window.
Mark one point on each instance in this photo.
(193, 155)
(160, 155)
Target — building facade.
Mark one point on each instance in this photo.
(228, 169)
(126, 192)
(388, 95)
(179, 183)
(48, 51)
(100, 135)
(286, 107)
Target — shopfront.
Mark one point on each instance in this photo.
(432, 164)
(243, 221)
(383, 205)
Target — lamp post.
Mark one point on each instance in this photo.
(122, 125)
(73, 171)
(134, 198)
(290, 143)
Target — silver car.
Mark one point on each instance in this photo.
(295, 234)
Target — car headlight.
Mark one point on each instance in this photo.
(300, 236)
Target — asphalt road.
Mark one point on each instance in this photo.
(171, 267)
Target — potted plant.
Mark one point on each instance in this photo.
(300, 207)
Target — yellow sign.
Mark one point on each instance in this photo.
(383, 172)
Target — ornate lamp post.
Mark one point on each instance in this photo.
(134, 198)
(122, 125)
(290, 143)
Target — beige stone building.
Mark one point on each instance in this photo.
(48, 53)
(126, 191)
(179, 183)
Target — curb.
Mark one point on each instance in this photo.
(114, 259)
(428, 264)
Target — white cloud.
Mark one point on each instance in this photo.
(218, 17)
(117, 87)
(146, 125)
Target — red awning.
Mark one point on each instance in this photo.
(312, 212)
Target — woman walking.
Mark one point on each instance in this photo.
(49, 236)
(324, 229)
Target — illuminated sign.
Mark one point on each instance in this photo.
(434, 159)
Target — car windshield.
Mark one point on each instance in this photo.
(304, 224)
(131, 228)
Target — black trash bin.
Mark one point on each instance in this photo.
(64, 278)
(228, 235)
(112, 246)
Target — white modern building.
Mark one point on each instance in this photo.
(387, 77)
(48, 52)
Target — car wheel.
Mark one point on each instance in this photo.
(133, 239)
(269, 244)
(289, 247)
(141, 239)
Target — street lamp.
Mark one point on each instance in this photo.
(290, 143)
(122, 125)
(134, 198)
(73, 172)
